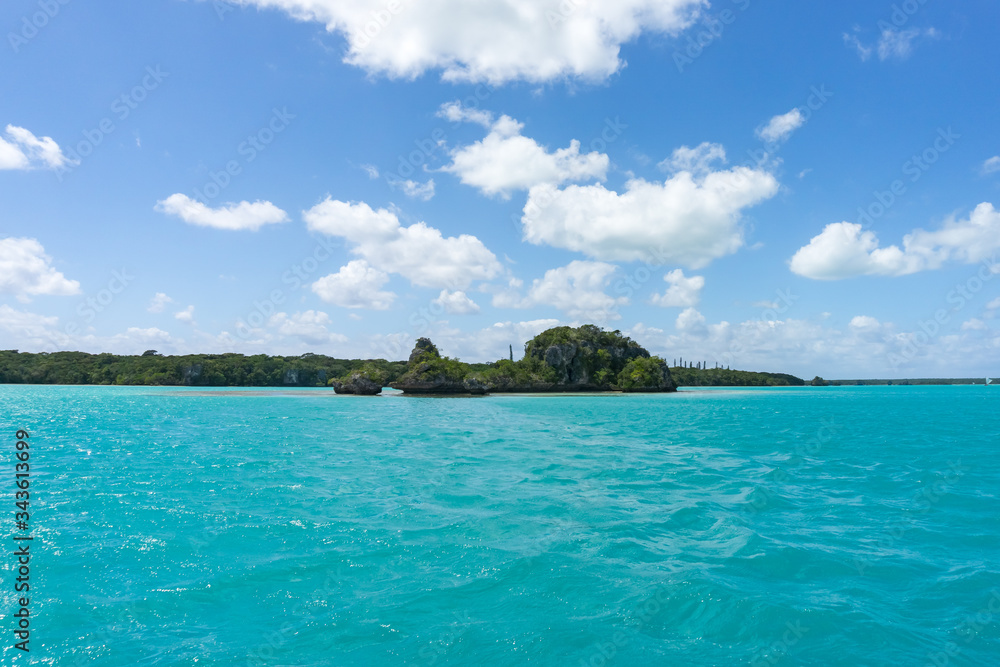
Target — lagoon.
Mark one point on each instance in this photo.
(827, 525)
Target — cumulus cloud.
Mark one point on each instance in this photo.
(843, 250)
(416, 190)
(975, 324)
(690, 320)
(186, 316)
(865, 323)
(992, 165)
(491, 40)
(231, 216)
(419, 253)
(26, 271)
(506, 160)
(690, 219)
(159, 302)
(356, 285)
(683, 292)
(310, 327)
(456, 303)
(29, 331)
(578, 289)
(781, 127)
(697, 160)
(23, 150)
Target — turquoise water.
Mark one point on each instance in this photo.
(842, 526)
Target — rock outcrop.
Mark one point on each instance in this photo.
(357, 383)
(430, 373)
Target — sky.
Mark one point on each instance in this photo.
(810, 188)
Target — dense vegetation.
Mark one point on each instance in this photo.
(208, 370)
(911, 381)
(588, 333)
(527, 371)
(721, 377)
(607, 358)
(640, 373)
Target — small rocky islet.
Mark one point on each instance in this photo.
(562, 359)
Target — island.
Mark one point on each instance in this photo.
(561, 359)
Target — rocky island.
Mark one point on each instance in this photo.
(563, 359)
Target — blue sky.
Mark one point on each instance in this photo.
(264, 176)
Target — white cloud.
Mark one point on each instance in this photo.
(690, 219)
(416, 190)
(506, 160)
(975, 324)
(26, 271)
(23, 150)
(418, 253)
(30, 332)
(690, 320)
(456, 303)
(843, 250)
(310, 327)
(371, 170)
(491, 40)
(897, 43)
(186, 316)
(865, 323)
(682, 293)
(159, 302)
(994, 304)
(864, 52)
(781, 127)
(578, 289)
(456, 113)
(992, 165)
(356, 285)
(697, 160)
(231, 216)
